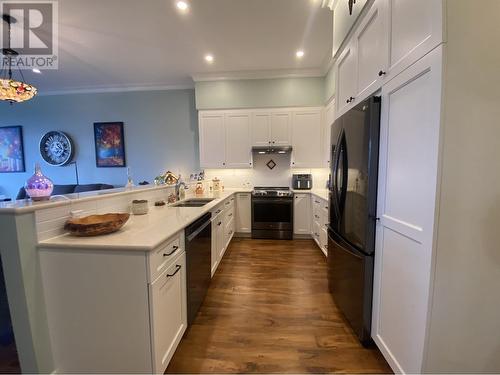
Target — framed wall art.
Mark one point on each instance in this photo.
(11, 149)
(109, 144)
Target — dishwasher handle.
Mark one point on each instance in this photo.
(191, 236)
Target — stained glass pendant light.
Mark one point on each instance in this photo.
(11, 90)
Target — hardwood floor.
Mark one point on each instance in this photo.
(268, 310)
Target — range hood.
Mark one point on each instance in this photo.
(272, 149)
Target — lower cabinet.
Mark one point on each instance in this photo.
(223, 229)
(244, 213)
(319, 222)
(168, 312)
(115, 311)
(302, 213)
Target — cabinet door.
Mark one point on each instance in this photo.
(343, 20)
(307, 136)
(221, 241)
(280, 129)
(216, 225)
(329, 119)
(243, 213)
(238, 145)
(302, 214)
(372, 41)
(408, 176)
(261, 129)
(346, 78)
(212, 141)
(168, 313)
(416, 28)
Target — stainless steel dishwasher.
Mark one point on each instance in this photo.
(198, 260)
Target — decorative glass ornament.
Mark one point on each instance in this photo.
(38, 186)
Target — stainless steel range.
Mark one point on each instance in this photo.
(272, 213)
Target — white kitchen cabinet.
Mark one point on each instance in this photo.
(343, 21)
(307, 130)
(168, 312)
(238, 142)
(302, 213)
(212, 140)
(329, 119)
(408, 176)
(280, 128)
(416, 27)
(261, 129)
(243, 213)
(108, 311)
(217, 236)
(346, 77)
(319, 221)
(371, 40)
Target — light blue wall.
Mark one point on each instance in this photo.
(161, 132)
(260, 93)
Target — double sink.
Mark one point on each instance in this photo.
(200, 202)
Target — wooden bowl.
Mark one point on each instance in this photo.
(96, 225)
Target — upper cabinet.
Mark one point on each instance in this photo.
(238, 147)
(280, 128)
(261, 129)
(343, 21)
(225, 140)
(371, 48)
(271, 128)
(390, 36)
(416, 28)
(227, 137)
(307, 135)
(212, 140)
(346, 77)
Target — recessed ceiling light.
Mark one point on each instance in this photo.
(209, 58)
(182, 6)
(37, 71)
(299, 54)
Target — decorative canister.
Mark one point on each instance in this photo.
(140, 207)
(199, 188)
(38, 186)
(216, 184)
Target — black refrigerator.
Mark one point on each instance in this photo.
(353, 207)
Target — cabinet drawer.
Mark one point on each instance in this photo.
(217, 210)
(316, 231)
(229, 230)
(229, 214)
(161, 257)
(229, 203)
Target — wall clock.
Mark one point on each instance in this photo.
(56, 148)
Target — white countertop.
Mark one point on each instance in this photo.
(321, 193)
(143, 232)
(27, 205)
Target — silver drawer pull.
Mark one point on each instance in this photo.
(175, 248)
(316, 216)
(219, 223)
(230, 215)
(218, 212)
(177, 268)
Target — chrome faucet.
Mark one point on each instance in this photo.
(177, 188)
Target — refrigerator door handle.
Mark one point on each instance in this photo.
(334, 185)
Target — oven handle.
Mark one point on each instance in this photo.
(273, 200)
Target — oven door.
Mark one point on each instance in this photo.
(272, 213)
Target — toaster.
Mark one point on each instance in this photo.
(302, 182)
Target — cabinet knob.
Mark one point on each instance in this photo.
(223, 163)
(381, 73)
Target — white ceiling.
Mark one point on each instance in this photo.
(132, 43)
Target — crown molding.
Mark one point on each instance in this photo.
(103, 90)
(258, 74)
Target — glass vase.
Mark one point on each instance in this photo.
(39, 187)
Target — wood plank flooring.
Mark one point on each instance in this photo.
(268, 310)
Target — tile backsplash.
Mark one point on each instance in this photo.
(261, 175)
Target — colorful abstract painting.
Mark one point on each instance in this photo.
(11, 149)
(109, 144)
